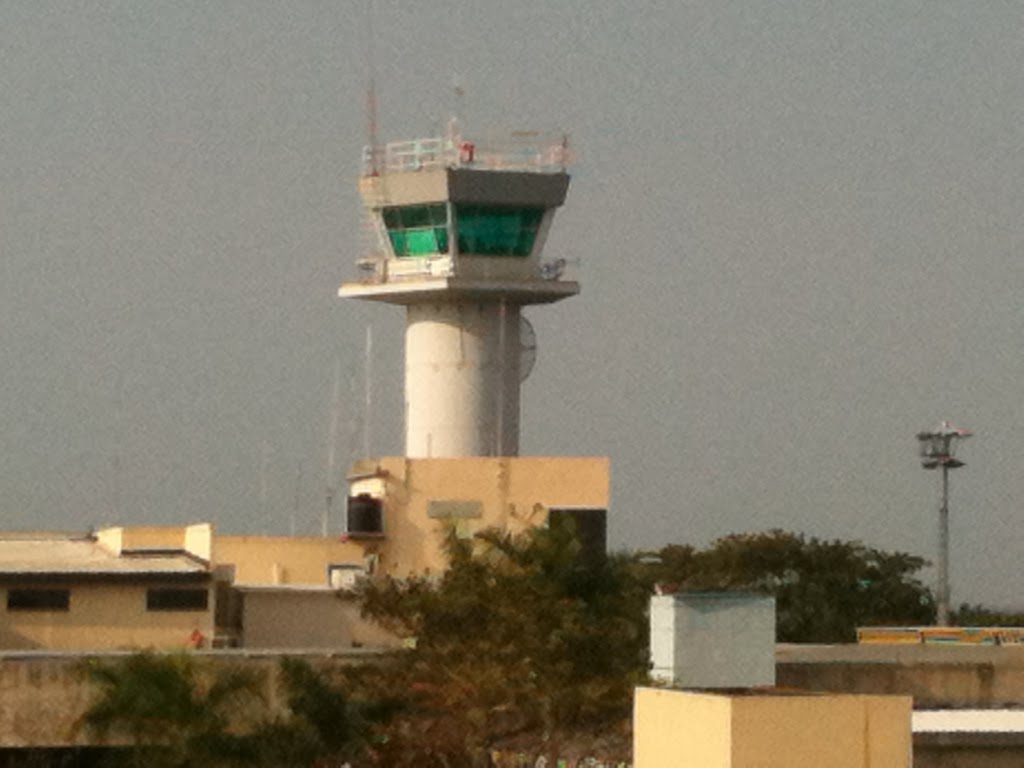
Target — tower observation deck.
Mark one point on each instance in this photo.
(456, 231)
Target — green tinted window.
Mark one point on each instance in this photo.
(497, 231)
(417, 230)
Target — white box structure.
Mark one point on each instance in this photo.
(713, 640)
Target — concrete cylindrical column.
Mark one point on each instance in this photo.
(462, 380)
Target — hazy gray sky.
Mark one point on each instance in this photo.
(798, 226)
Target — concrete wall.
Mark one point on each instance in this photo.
(766, 729)
(838, 731)
(297, 619)
(104, 615)
(672, 729)
(462, 379)
(936, 676)
(511, 493)
(42, 697)
(967, 750)
(195, 539)
(427, 185)
(284, 559)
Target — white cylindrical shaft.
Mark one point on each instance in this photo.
(462, 380)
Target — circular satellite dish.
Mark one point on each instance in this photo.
(527, 348)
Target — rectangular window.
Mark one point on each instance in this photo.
(38, 599)
(417, 230)
(176, 599)
(497, 231)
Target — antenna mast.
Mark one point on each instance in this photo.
(371, 92)
(332, 439)
(368, 391)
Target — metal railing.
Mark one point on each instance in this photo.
(521, 151)
(378, 268)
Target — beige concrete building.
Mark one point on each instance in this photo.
(769, 728)
(105, 591)
(400, 509)
(187, 586)
(175, 587)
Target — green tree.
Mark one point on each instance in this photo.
(170, 710)
(823, 589)
(520, 634)
(177, 710)
(968, 615)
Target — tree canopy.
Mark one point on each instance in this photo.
(823, 589)
(177, 710)
(521, 633)
(522, 638)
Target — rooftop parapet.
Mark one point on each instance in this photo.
(526, 151)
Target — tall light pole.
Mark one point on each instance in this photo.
(938, 449)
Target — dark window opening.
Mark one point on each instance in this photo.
(590, 528)
(365, 515)
(38, 599)
(175, 599)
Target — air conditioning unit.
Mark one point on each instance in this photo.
(344, 576)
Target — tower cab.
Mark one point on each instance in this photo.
(463, 217)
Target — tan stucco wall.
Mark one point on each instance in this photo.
(834, 730)
(196, 539)
(284, 560)
(111, 615)
(674, 730)
(294, 619)
(683, 729)
(514, 493)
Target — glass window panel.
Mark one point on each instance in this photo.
(420, 242)
(525, 243)
(415, 216)
(398, 242)
(439, 215)
(417, 230)
(494, 231)
(441, 235)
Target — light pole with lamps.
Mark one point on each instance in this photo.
(938, 449)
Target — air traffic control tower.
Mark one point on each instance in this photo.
(457, 231)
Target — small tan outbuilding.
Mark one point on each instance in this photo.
(769, 728)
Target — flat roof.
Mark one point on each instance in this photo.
(68, 557)
(968, 721)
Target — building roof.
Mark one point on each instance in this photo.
(86, 557)
(969, 721)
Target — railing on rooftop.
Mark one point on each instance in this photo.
(520, 151)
